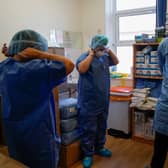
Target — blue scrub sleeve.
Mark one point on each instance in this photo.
(111, 62)
(161, 59)
(81, 58)
(52, 71)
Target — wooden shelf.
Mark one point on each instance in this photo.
(147, 113)
(149, 77)
(142, 110)
(145, 44)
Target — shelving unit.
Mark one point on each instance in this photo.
(144, 69)
(148, 77)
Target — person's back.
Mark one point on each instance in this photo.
(161, 112)
(26, 84)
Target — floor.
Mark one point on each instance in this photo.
(126, 154)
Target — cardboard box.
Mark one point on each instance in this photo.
(154, 60)
(147, 66)
(140, 59)
(149, 72)
(70, 154)
(6, 162)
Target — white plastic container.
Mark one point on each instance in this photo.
(119, 113)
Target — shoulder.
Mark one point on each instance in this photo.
(163, 46)
(164, 43)
(41, 63)
(6, 62)
(82, 57)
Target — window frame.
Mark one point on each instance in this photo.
(112, 17)
(130, 12)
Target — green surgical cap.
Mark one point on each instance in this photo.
(27, 38)
(99, 41)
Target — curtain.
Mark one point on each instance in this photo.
(161, 7)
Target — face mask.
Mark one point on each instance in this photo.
(99, 53)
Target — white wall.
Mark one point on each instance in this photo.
(39, 15)
(87, 16)
(93, 19)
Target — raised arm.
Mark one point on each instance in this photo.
(84, 65)
(31, 53)
(113, 57)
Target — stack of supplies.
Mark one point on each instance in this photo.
(143, 122)
(148, 129)
(141, 99)
(121, 91)
(147, 62)
(68, 115)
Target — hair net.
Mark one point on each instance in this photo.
(27, 38)
(99, 41)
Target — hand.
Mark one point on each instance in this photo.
(108, 51)
(91, 52)
(5, 50)
(29, 53)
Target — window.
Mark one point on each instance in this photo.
(124, 20)
(129, 26)
(133, 4)
(125, 53)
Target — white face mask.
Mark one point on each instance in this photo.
(99, 53)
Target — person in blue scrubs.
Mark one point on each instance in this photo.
(93, 98)
(27, 78)
(161, 112)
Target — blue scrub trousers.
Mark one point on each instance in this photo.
(93, 133)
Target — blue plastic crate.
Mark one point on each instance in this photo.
(68, 125)
(68, 108)
(70, 137)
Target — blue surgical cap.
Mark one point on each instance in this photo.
(99, 41)
(27, 38)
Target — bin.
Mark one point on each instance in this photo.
(119, 117)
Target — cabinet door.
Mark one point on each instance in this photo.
(119, 116)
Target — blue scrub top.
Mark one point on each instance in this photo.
(29, 111)
(161, 111)
(94, 85)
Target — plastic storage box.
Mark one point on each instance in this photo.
(70, 137)
(119, 114)
(68, 125)
(68, 108)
